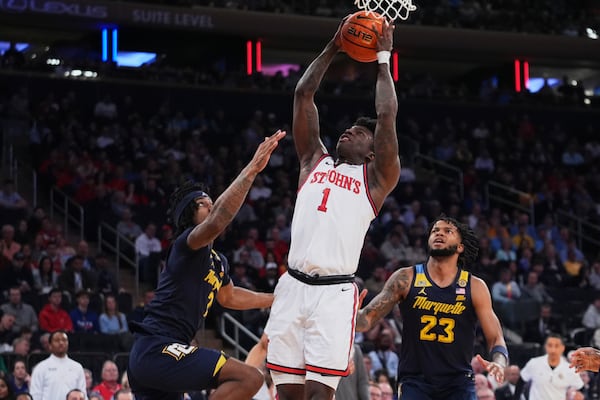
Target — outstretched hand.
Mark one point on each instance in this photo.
(494, 369)
(385, 40)
(337, 38)
(585, 359)
(264, 151)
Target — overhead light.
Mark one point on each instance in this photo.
(587, 101)
(53, 61)
(591, 33)
(574, 82)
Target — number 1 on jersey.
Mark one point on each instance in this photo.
(323, 206)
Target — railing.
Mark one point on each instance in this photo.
(498, 194)
(586, 234)
(237, 329)
(123, 249)
(443, 170)
(71, 211)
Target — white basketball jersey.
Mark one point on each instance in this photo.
(332, 214)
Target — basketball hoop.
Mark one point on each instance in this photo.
(392, 9)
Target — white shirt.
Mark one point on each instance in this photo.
(54, 377)
(548, 383)
(332, 214)
(145, 245)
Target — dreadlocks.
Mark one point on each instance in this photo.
(469, 240)
(186, 218)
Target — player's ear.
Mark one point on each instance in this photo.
(370, 157)
(460, 248)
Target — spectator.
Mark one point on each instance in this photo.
(83, 250)
(535, 290)
(550, 375)
(75, 278)
(128, 227)
(21, 346)
(26, 316)
(45, 278)
(54, 377)
(109, 385)
(6, 392)
(17, 275)
(89, 381)
(84, 319)
(53, 317)
(123, 394)
(12, 205)
(9, 246)
(591, 317)
(374, 391)
(19, 379)
(506, 290)
(594, 277)
(7, 321)
(384, 357)
(147, 247)
(106, 281)
(508, 391)
(485, 394)
(356, 385)
(537, 330)
(111, 320)
(75, 394)
(137, 314)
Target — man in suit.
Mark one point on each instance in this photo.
(537, 330)
(511, 390)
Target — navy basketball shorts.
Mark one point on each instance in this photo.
(414, 388)
(159, 366)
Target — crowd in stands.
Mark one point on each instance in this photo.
(121, 160)
(556, 17)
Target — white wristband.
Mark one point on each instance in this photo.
(383, 57)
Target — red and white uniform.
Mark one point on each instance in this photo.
(332, 214)
(311, 327)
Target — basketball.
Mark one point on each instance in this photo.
(358, 38)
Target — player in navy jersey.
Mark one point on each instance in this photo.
(440, 303)
(163, 363)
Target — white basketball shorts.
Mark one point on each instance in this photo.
(311, 331)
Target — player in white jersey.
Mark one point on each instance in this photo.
(311, 326)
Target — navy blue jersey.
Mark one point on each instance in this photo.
(438, 330)
(186, 290)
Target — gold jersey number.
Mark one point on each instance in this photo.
(431, 322)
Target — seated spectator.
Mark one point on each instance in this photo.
(594, 277)
(123, 394)
(114, 322)
(12, 205)
(53, 317)
(506, 252)
(89, 382)
(374, 284)
(21, 346)
(147, 247)
(106, 281)
(84, 319)
(16, 275)
(26, 315)
(45, 277)
(535, 290)
(128, 227)
(109, 385)
(83, 250)
(20, 378)
(7, 335)
(6, 392)
(111, 320)
(384, 356)
(591, 317)
(137, 314)
(506, 290)
(75, 278)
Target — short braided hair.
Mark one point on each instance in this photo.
(187, 216)
(469, 240)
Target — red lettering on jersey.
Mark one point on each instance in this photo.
(344, 181)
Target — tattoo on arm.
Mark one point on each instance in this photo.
(393, 292)
(229, 203)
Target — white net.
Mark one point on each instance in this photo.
(393, 9)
